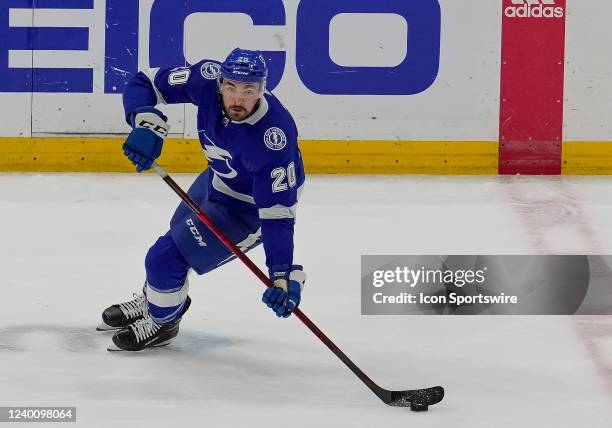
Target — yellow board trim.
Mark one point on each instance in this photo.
(103, 154)
(587, 158)
(400, 157)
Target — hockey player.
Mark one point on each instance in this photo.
(250, 189)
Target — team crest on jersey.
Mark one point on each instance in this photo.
(210, 70)
(218, 158)
(275, 138)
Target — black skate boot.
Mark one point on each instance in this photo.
(146, 333)
(123, 314)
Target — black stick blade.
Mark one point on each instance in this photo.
(416, 399)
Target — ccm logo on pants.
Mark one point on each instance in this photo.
(196, 233)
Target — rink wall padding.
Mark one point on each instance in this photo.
(531, 89)
(484, 87)
(50, 154)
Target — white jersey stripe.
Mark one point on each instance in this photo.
(277, 211)
(220, 186)
(151, 73)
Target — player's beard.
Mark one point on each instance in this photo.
(237, 113)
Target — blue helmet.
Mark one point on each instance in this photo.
(245, 66)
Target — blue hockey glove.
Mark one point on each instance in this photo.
(286, 294)
(144, 144)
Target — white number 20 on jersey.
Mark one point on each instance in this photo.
(279, 174)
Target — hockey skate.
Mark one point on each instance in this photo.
(123, 314)
(146, 333)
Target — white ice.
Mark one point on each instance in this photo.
(73, 244)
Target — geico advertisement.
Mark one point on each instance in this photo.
(389, 61)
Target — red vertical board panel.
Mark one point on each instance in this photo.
(531, 97)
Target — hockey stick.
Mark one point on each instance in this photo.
(416, 399)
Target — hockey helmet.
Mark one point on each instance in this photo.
(245, 66)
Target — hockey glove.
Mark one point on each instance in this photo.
(144, 144)
(286, 294)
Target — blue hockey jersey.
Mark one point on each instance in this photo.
(256, 160)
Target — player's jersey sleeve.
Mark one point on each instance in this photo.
(171, 86)
(277, 183)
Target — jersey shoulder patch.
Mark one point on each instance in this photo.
(210, 70)
(275, 138)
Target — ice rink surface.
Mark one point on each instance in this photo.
(73, 244)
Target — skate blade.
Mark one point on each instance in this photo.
(105, 327)
(115, 348)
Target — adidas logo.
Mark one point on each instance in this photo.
(534, 9)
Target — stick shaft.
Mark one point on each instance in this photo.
(265, 280)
